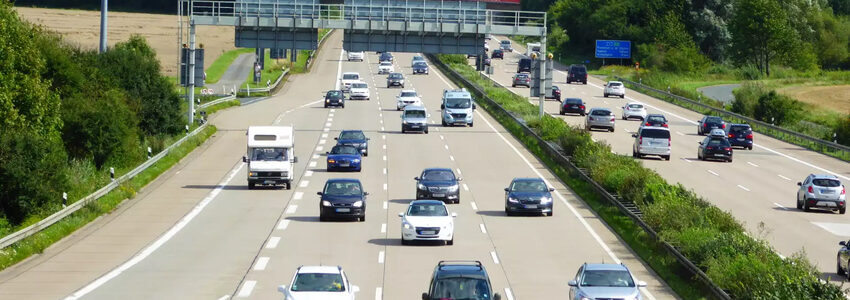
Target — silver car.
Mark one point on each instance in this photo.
(414, 118)
(600, 117)
(821, 191)
(652, 141)
(605, 281)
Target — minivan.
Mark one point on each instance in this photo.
(577, 73)
(524, 65)
(414, 118)
(652, 141)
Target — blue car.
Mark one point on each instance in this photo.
(528, 195)
(342, 198)
(354, 138)
(344, 157)
(420, 67)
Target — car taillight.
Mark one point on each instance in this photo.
(647, 124)
(612, 119)
(582, 107)
(669, 142)
(811, 190)
(723, 126)
(728, 148)
(590, 118)
(704, 124)
(640, 140)
(665, 124)
(842, 190)
(750, 136)
(731, 135)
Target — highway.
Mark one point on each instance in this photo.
(199, 233)
(759, 188)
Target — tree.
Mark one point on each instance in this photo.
(761, 33)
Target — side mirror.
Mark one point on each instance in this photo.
(402, 215)
(799, 184)
(416, 178)
(355, 289)
(295, 159)
(459, 179)
(551, 189)
(507, 189)
(327, 153)
(634, 134)
(336, 139)
(700, 142)
(572, 283)
(641, 283)
(454, 215)
(368, 139)
(281, 288)
(244, 158)
(365, 193)
(497, 296)
(428, 115)
(473, 106)
(842, 243)
(442, 106)
(425, 296)
(319, 193)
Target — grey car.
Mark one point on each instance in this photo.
(600, 118)
(823, 192)
(605, 281)
(414, 118)
(395, 79)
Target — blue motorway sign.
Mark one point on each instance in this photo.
(613, 49)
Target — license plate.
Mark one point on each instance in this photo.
(826, 191)
(741, 139)
(826, 203)
(427, 232)
(268, 182)
(531, 206)
(439, 195)
(343, 210)
(344, 164)
(414, 126)
(573, 106)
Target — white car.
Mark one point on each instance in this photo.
(407, 97)
(615, 88)
(319, 282)
(358, 90)
(386, 67)
(634, 110)
(356, 55)
(427, 220)
(347, 79)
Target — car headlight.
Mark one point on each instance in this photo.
(421, 186)
(582, 296)
(407, 226)
(512, 200)
(453, 188)
(326, 203)
(250, 173)
(330, 161)
(327, 100)
(358, 204)
(355, 160)
(545, 199)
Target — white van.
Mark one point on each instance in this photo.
(271, 156)
(652, 141)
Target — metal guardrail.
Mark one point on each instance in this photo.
(309, 63)
(265, 89)
(217, 101)
(556, 154)
(830, 148)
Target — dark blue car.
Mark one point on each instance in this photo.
(342, 198)
(740, 135)
(528, 195)
(354, 138)
(438, 184)
(344, 157)
(420, 67)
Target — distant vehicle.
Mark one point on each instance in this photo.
(385, 56)
(528, 195)
(359, 90)
(523, 65)
(498, 53)
(740, 135)
(343, 157)
(420, 67)
(715, 147)
(395, 79)
(707, 123)
(843, 259)
(439, 184)
(634, 110)
(600, 117)
(354, 138)
(521, 79)
(506, 45)
(414, 118)
(271, 156)
(457, 108)
(486, 47)
(417, 58)
(356, 55)
(650, 140)
(532, 48)
(466, 280)
(319, 282)
(822, 192)
(614, 88)
(604, 281)
(717, 133)
(385, 67)
(573, 106)
(342, 198)
(577, 73)
(556, 93)
(334, 98)
(427, 220)
(407, 97)
(658, 120)
(347, 79)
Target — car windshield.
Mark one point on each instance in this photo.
(386, 55)
(350, 76)
(438, 175)
(573, 101)
(334, 95)
(718, 142)
(521, 76)
(427, 210)
(739, 129)
(359, 85)
(826, 182)
(415, 113)
(655, 133)
(614, 84)
(460, 288)
(420, 64)
(408, 94)
(555, 87)
(344, 150)
(578, 70)
(343, 188)
(395, 76)
(601, 112)
(528, 186)
(458, 103)
(268, 154)
(617, 278)
(656, 119)
(420, 58)
(713, 120)
(635, 106)
(318, 282)
(506, 42)
(352, 135)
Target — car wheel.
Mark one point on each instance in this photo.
(251, 185)
(606, 95)
(444, 122)
(405, 242)
(366, 153)
(612, 129)
(322, 218)
(729, 160)
(451, 241)
(842, 210)
(359, 169)
(634, 154)
(562, 113)
(838, 268)
(806, 205)
(667, 157)
(799, 204)
(363, 218)
(621, 96)
(749, 147)
(583, 114)
(402, 130)
(584, 82)
(426, 130)
(508, 212)
(549, 214)
(513, 85)
(471, 124)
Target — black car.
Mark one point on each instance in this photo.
(577, 73)
(342, 198)
(707, 123)
(573, 106)
(334, 98)
(843, 258)
(354, 138)
(658, 120)
(385, 56)
(498, 53)
(715, 147)
(524, 65)
(556, 93)
(460, 280)
(740, 135)
(420, 67)
(438, 184)
(528, 195)
(395, 79)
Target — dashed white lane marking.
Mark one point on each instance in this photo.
(312, 164)
(384, 136)
(385, 171)
(437, 129)
(679, 133)
(333, 110)
(379, 293)
(381, 120)
(838, 229)
(382, 128)
(282, 224)
(298, 195)
(308, 173)
(452, 157)
(291, 209)
(315, 156)
(780, 206)
(483, 229)
(713, 173)
(246, 289)
(687, 160)
(474, 206)
(508, 294)
(326, 129)
(385, 204)
(385, 157)
(381, 257)
(261, 263)
(304, 183)
(384, 146)
(495, 257)
(442, 137)
(752, 164)
(783, 177)
(446, 146)
(743, 188)
(465, 187)
(330, 115)
(459, 172)
(273, 241)
(328, 124)
(385, 186)
(324, 135)
(320, 148)
(322, 141)
(384, 228)
(225, 297)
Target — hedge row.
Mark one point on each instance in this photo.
(711, 238)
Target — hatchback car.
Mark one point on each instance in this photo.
(715, 147)
(655, 120)
(342, 198)
(438, 183)
(395, 79)
(334, 98)
(577, 73)
(573, 106)
(420, 67)
(359, 90)
(634, 110)
(417, 58)
(605, 281)
(385, 56)
(707, 123)
(407, 97)
(600, 117)
(498, 53)
(386, 67)
(343, 157)
(615, 88)
(521, 79)
(523, 65)
(427, 220)
(740, 135)
(651, 140)
(528, 195)
(467, 280)
(414, 118)
(556, 93)
(823, 192)
(356, 55)
(319, 282)
(506, 45)
(355, 138)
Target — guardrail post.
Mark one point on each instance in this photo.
(111, 174)
(149, 152)
(187, 129)
(64, 199)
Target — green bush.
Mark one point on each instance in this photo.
(775, 108)
(33, 172)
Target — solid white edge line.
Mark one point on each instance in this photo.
(494, 257)
(483, 229)
(159, 242)
(261, 263)
(224, 297)
(246, 289)
(273, 242)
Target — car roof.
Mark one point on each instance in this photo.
(344, 73)
(351, 130)
(465, 268)
(606, 267)
(414, 107)
(620, 82)
(527, 179)
(632, 103)
(407, 91)
(600, 108)
(342, 180)
(824, 176)
(717, 131)
(740, 125)
(437, 169)
(655, 115)
(396, 73)
(654, 128)
(320, 269)
(428, 202)
(386, 63)
(573, 99)
(456, 94)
